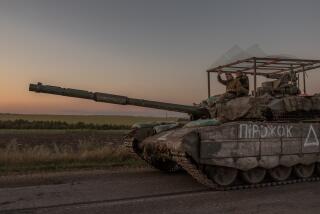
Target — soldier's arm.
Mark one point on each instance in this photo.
(224, 82)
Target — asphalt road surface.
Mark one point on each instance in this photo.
(146, 191)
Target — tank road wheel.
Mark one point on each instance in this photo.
(254, 176)
(223, 176)
(304, 171)
(280, 173)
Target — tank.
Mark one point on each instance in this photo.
(268, 137)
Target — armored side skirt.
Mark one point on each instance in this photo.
(246, 145)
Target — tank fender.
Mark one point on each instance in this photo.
(191, 145)
(309, 158)
(137, 135)
(269, 162)
(142, 133)
(246, 163)
(289, 160)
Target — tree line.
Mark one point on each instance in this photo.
(26, 124)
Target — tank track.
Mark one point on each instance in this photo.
(128, 144)
(198, 175)
(195, 172)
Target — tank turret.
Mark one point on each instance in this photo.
(194, 111)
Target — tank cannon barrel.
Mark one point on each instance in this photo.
(194, 111)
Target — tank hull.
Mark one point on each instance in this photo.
(242, 146)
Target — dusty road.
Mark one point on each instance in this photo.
(148, 191)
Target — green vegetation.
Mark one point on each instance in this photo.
(26, 124)
(14, 158)
(87, 119)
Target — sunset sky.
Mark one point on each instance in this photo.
(149, 49)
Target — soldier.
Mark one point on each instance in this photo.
(243, 87)
(230, 84)
(235, 87)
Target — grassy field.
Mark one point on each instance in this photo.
(95, 119)
(17, 159)
(35, 137)
(25, 151)
(35, 150)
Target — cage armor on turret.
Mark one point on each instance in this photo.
(233, 143)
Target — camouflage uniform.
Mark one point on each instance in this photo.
(242, 88)
(235, 87)
(230, 89)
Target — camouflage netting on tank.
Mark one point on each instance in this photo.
(261, 107)
(296, 103)
(242, 107)
(211, 101)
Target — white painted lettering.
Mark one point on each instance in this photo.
(312, 138)
(264, 131)
(243, 130)
(289, 134)
(249, 131)
(281, 131)
(272, 131)
(255, 131)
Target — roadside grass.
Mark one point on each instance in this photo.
(17, 159)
